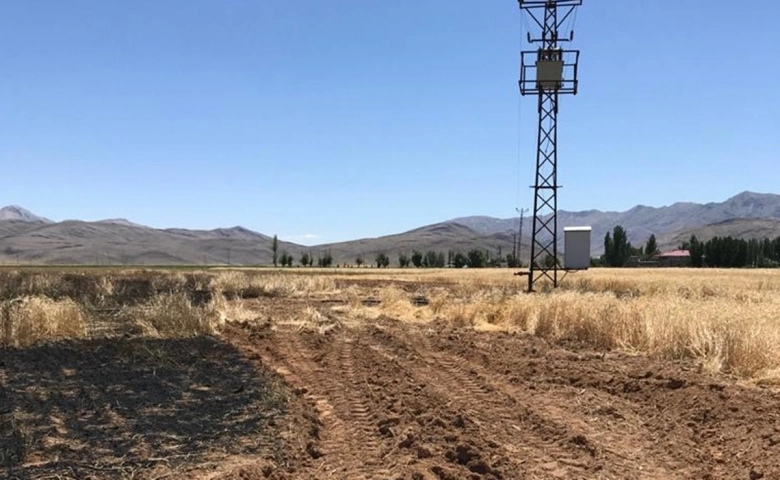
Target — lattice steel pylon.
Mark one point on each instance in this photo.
(547, 72)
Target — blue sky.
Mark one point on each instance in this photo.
(331, 120)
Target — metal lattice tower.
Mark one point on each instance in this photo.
(547, 72)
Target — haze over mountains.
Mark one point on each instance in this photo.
(31, 239)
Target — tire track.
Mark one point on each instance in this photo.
(507, 424)
(566, 424)
(348, 446)
(351, 398)
(500, 418)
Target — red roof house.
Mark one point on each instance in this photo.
(675, 258)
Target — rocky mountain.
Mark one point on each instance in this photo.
(15, 212)
(758, 228)
(669, 222)
(75, 242)
(28, 238)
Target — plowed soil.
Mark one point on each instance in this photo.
(373, 399)
(393, 400)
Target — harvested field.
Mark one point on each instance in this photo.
(393, 374)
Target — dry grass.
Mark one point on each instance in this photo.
(29, 320)
(724, 320)
(172, 315)
(47, 305)
(250, 284)
(312, 320)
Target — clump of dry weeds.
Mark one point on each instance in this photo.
(29, 320)
(244, 284)
(173, 315)
(313, 320)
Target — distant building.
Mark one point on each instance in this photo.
(675, 258)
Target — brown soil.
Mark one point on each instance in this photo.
(135, 408)
(383, 400)
(393, 400)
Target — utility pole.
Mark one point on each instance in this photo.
(520, 235)
(547, 72)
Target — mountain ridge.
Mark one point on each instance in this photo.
(27, 237)
(640, 221)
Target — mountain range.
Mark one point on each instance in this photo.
(748, 214)
(31, 239)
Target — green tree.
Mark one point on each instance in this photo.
(403, 260)
(512, 261)
(696, 249)
(275, 249)
(617, 249)
(382, 260)
(651, 247)
(429, 261)
(622, 247)
(325, 260)
(477, 258)
(459, 260)
(609, 248)
(304, 259)
(417, 258)
(359, 261)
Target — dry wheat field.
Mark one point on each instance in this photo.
(388, 374)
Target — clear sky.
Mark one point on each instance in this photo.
(328, 120)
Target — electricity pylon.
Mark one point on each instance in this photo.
(548, 72)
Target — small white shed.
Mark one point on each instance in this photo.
(576, 248)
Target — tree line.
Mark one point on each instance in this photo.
(730, 252)
(473, 258)
(719, 252)
(618, 250)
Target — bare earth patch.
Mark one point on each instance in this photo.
(402, 376)
(393, 400)
(133, 408)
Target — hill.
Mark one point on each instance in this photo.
(17, 213)
(440, 237)
(669, 222)
(75, 242)
(28, 238)
(736, 227)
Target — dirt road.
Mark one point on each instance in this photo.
(398, 400)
